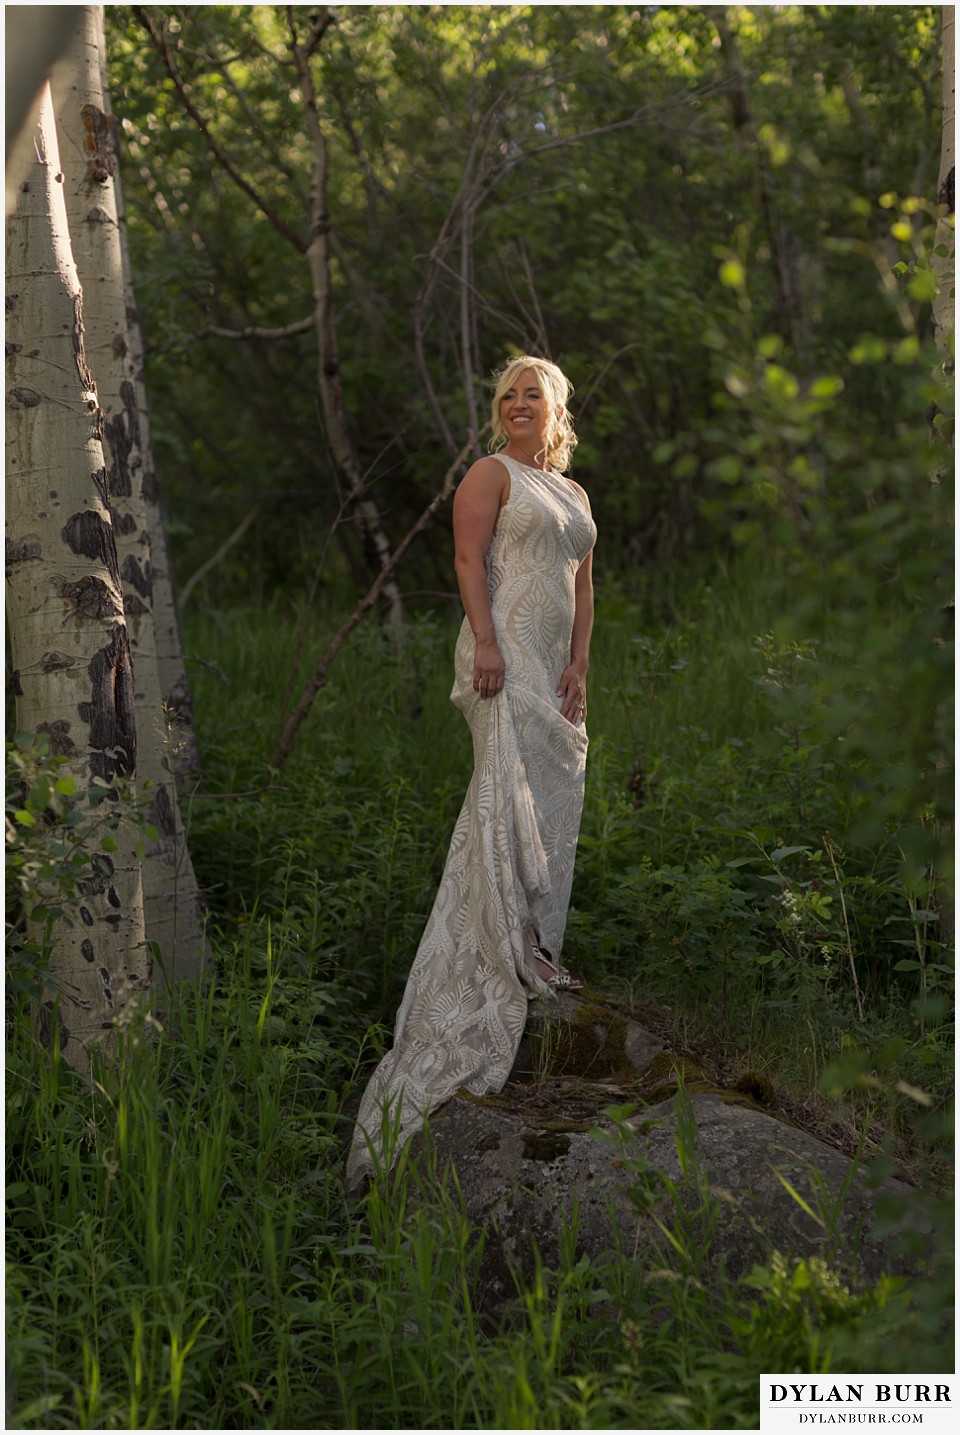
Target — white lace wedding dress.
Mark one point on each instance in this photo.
(508, 874)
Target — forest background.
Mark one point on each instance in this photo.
(721, 223)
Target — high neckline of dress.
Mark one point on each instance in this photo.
(532, 468)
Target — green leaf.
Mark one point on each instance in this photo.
(923, 286)
(25, 818)
(781, 852)
(733, 274)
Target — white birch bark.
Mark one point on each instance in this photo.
(328, 356)
(88, 154)
(174, 684)
(944, 265)
(73, 674)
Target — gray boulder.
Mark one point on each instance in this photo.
(732, 1180)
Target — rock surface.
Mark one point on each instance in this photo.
(532, 1160)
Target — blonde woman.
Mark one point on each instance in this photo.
(523, 538)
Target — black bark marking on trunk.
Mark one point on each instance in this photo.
(161, 813)
(151, 487)
(128, 395)
(100, 145)
(23, 398)
(10, 302)
(61, 744)
(947, 193)
(179, 703)
(96, 215)
(88, 597)
(54, 662)
(86, 918)
(101, 870)
(89, 534)
(51, 1016)
(101, 480)
(13, 686)
(86, 948)
(120, 485)
(21, 552)
(79, 353)
(110, 713)
(113, 919)
(9, 349)
(123, 435)
(124, 523)
(137, 577)
(113, 897)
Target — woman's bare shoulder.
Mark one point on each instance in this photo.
(489, 469)
(487, 476)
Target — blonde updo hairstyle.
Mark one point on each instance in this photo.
(557, 388)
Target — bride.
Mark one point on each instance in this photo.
(524, 537)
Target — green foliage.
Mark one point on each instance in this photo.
(179, 1256)
(768, 786)
(640, 255)
(54, 831)
(179, 1252)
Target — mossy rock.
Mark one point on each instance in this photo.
(578, 1038)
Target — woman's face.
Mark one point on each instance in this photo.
(523, 410)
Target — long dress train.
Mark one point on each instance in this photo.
(507, 879)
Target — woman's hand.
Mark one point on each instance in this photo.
(572, 688)
(488, 668)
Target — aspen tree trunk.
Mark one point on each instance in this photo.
(328, 356)
(944, 264)
(172, 907)
(174, 685)
(317, 249)
(744, 125)
(73, 674)
(944, 318)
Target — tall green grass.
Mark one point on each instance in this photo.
(727, 842)
(179, 1250)
(180, 1255)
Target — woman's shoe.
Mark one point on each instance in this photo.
(558, 977)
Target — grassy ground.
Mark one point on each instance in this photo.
(179, 1252)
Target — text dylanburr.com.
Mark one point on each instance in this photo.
(813, 1402)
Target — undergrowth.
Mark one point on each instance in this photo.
(179, 1250)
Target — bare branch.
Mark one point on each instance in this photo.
(285, 743)
(341, 513)
(220, 554)
(329, 379)
(325, 18)
(161, 44)
(213, 331)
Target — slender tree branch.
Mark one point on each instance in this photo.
(285, 743)
(220, 554)
(329, 381)
(161, 44)
(324, 20)
(318, 572)
(213, 331)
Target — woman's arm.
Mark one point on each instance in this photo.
(483, 491)
(573, 681)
